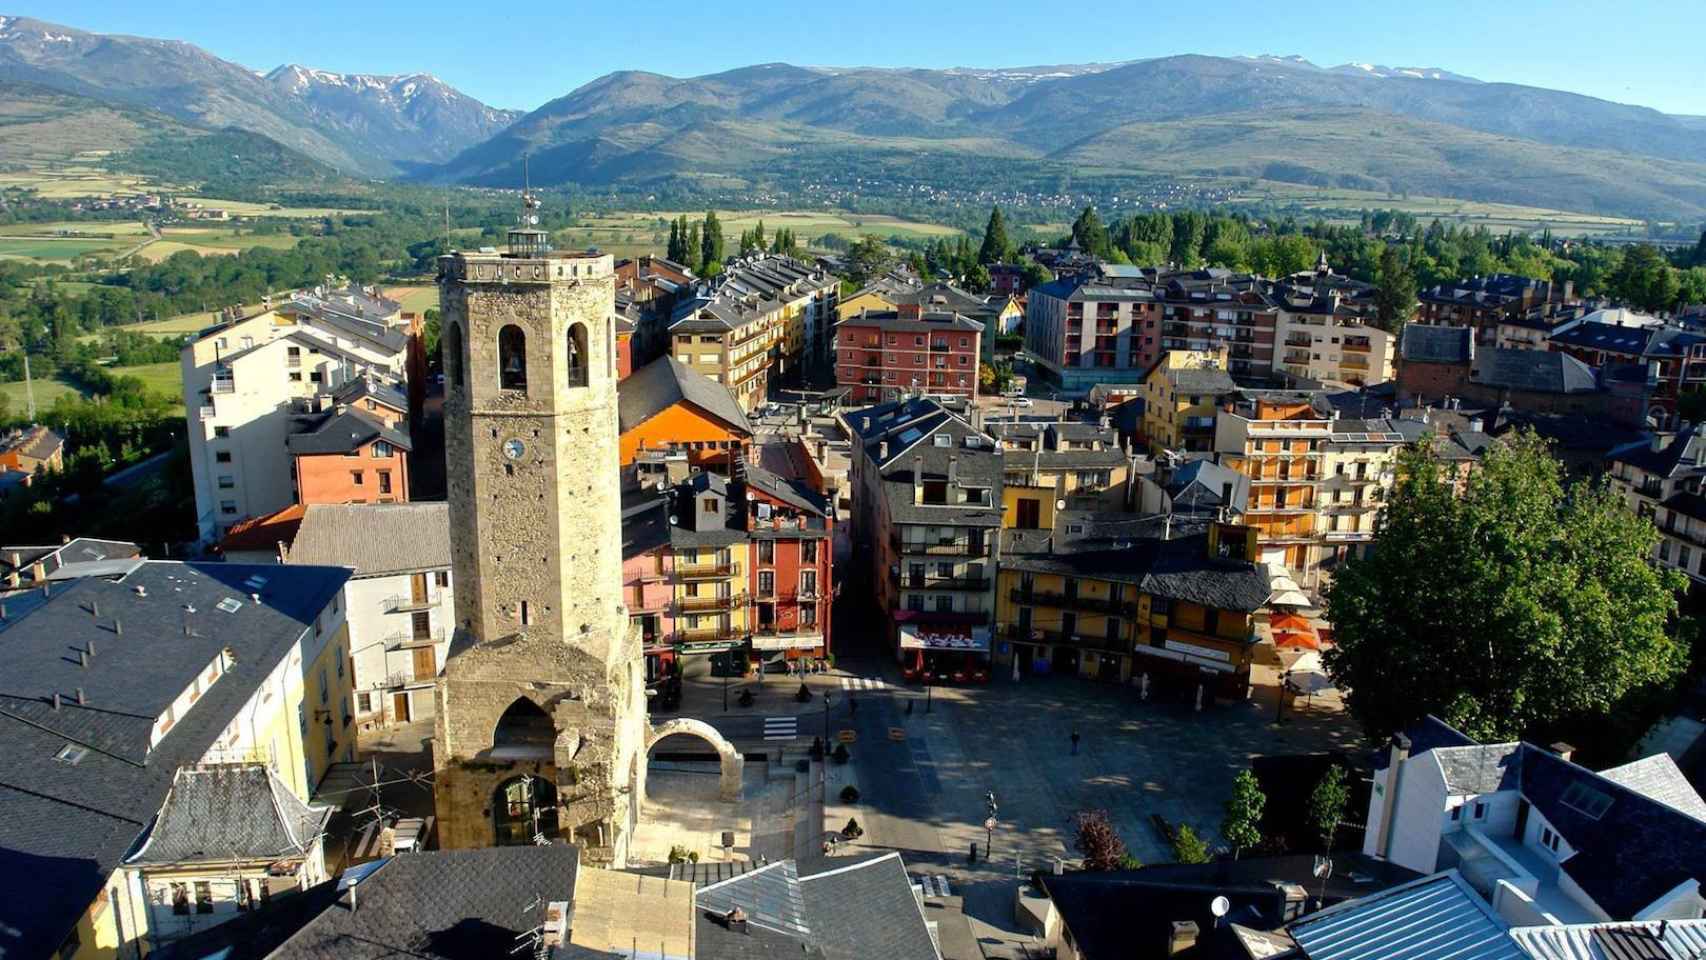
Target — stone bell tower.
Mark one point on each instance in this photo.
(541, 719)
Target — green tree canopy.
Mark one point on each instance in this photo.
(711, 241)
(1644, 279)
(1519, 604)
(1395, 296)
(1091, 233)
(1242, 825)
(1327, 804)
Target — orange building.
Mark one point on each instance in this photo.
(667, 407)
(31, 449)
(350, 456)
(1279, 439)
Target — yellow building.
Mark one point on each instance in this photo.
(1358, 467)
(1117, 597)
(1279, 440)
(709, 566)
(1070, 466)
(1182, 395)
(170, 665)
(765, 318)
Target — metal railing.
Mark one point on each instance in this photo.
(1052, 598)
(910, 581)
(705, 571)
(399, 603)
(943, 548)
(708, 604)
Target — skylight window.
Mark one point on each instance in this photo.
(71, 753)
(255, 582)
(1585, 800)
(230, 605)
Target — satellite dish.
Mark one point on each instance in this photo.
(1220, 907)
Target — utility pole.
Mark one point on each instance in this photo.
(29, 390)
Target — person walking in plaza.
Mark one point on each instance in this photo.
(1075, 743)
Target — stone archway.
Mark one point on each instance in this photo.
(732, 762)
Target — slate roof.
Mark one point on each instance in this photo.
(929, 321)
(343, 432)
(859, 911)
(37, 442)
(64, 827)
(666, 381)
(1433, 918)
(1534, 371)
(1421, 343)
(231, 812)
(1682, 454)
(1199, 488)
(1659, 778)
(909, 427)
(795, 493)
(1128, 914)
(1127, 549)
(1607, 337)
(80, 550)
(375, 539)
(362, 388)
(1204, 380)
(1688, 505)
(747, 290)
(448, 904)
(1479, 768)
(1426, 734)
(645, 525)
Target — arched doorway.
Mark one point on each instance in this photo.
(731, 762)
(524, 732)
(522, 808)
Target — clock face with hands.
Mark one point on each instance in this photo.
(514, 449)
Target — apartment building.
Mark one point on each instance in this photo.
(1660, 478)
(1673, 359)
(648, 577)
(1278, 440)
(792, 528)
(647, 291)
(1325, 330)
(119, 680)
(927, 488)
(1115, 596)
(1181, 395)
(1062, 466)
(1121, 308)
(344, 453)
(400, 599)
(31, 449)
(246, 379)
(885, 355)
(997, 313)
(1359, 464)
(764, 318)
(667, 408)
(1482, 303)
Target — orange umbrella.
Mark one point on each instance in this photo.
(1291, 630)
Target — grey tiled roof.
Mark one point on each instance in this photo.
(362, 388)
(447, 904)
(376, 539)
(231, 812)
(1536, 371)
(1428, 919)
(1421, 343)
(1201, 486)
(1682, 454)
(1482, 768)
(1204, 380)
(863, 910)
(343, 432)
(64, 827)
(1659, 778)
(666, 381)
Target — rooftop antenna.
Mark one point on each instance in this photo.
(29, 391)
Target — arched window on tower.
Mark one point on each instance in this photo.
(525, 731)
(576, 355)
(512, 358)
(453, 353)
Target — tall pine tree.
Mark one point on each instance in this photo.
(675, 241)
(995, 245)
(711, 241)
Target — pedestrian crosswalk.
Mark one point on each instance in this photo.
(863, 683)
(781, 728)
(935, 886)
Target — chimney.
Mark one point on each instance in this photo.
(737, 920)
(918, 478)
(1657, 442)
(1293, 900)
(81, 699)
(1565, 751)
(1399, 752)
(56, 701)
(83, 659)
(883, 450)
(953, 470)
(1182, 937)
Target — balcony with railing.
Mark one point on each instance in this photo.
(1056, 637)
(686, 605)
(706, 570)
(1359, 344)
(1352, 361)
(409, 638)
(910, 581)
(953, 547)
(1298, 340)
(722, 633)
(1297, 356)
(1063, 601)
(939, 346)
(408, 603)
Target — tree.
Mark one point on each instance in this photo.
(1396, 295)
(711, 241)
(1034, 274)
(1518, 604)
(1188, 847)
(1098, 842)
(1090, 233)
(1327, 804)
(674, 249)
(1698, 258)
(996, 247)
(695, 250)
(1242, 825)
(1644, 279)
(868, 259)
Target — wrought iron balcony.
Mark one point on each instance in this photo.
(1058, 600)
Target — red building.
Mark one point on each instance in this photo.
(884, 355)
(791, 529)
(356, 452)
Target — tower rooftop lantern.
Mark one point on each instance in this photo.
(525, 238)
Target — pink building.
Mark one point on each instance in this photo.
(647, 566)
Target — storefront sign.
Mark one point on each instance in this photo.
(1195, 651)
(976, 640)
(798, 641)
(712, 646)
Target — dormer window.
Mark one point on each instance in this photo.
(712, 505)
(944, 440)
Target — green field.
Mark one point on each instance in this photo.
(624, 234)
(243, 208)
(49, 249)
(97, 228)
(164, 378)
(1496, 217)
(415, 299)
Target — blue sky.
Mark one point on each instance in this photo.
(520, 55)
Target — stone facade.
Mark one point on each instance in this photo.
(541, 630)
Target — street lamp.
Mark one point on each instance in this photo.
(826, 721)
(989, 827)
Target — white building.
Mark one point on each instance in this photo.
(1542, 839)
(242, 378)
(400, 598)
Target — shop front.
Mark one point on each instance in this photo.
(1193, 670)
(944, 653)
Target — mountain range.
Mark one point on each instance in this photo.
(1423, 130)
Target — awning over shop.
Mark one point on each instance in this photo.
(942, 637)
(787, 641)
(1208, 658)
